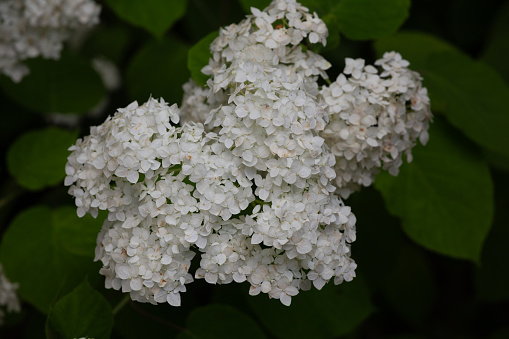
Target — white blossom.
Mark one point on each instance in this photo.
(247, 182)
(8, 298)
(32, 28)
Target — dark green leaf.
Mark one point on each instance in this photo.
(198, 57)
(410, 286)
(445, 196)
(377, 232)
(108, 42)
(474, 97)
(492, 278)
(33, 256)
(77, 235)
(371, 19)
(496, 53)
(415, 47)
(155, 16)
(37, 159)
(68, 85)
(328, 313)
(82, 313)
(159, 69)
(221, 322)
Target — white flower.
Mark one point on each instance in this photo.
(8, 298)
(32, 28)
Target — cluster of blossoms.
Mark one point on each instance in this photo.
(8, 296)
(32, 28)
(247, 182)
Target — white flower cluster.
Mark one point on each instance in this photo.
(8, 297)
(376, 116)
(252, 190)
(32, 28)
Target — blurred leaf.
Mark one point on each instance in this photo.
(108, 42)
(492, 278)
(474, 97)
(198, 57)
(410, 287)
(496, 53)
(444, 197)
(377, 232)
(221, 322)
(371, 19)
(415, 47)
(496, 160)
(33, 256)
(82, 313)
(68, 85)
(37, 159)
(159, 69)
(155, 16)
(328, 313)
(77, 235)
(260, 4)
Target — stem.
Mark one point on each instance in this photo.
(122, 303)
(327, 80)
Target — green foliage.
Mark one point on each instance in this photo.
(37, 158)
(414, 46)
(220, 321)
(412, 279)
(474, 101)
(198, 57)
(328, 313)
(371, 19)
(155, 16)
(158, 70)
(496, 52)
(68, 85)
(436, 193)
(77, 235)
(82, 313)
(33, 255)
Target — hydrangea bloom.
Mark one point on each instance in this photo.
(376, 116)
(32, 28)
(247, 182)
(8, 296)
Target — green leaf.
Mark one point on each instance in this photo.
(159, 69)
(68, 85)
(37, 158)
(412, 272)
(77, 235)
(414, 46)
(377, 232)
(221, 322)
(496, 53)
(82, 313)
(444, 197)
(492, 278)
(474, 97)
(33, 255)
(198, 57)
(371, 19)
(155, 16)
(328, 313)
